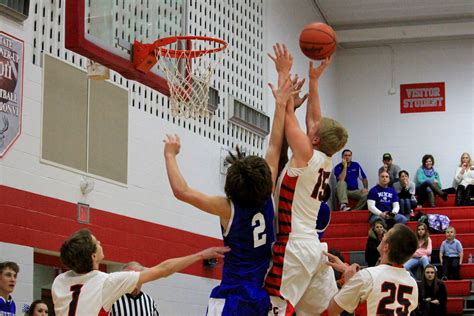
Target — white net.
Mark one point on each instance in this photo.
(189, 75)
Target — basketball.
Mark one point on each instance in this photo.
(318, 41)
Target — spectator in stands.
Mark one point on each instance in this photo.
(423, 253)
(383, 202)
(392, 169)
(450, 255)
(8, 274)
(406, 194)
(428, 182)
(432, 294)
(464, 181)
(347, 174)
(376, 233)
(135, 303)
(38, 308)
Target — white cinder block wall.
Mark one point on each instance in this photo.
(373, 118)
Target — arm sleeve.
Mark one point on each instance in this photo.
(395, 207)
(458, 176)
(420, 177)
(355, 291)
(371, 202)
(412, 188)
(459, 246)
(116, 285)
(429, 248)
(442, 295)
(441, 248)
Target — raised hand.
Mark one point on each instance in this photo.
(315, 73)
(172, 145)
(282, 59)
(284, 92)
(214, 252)
(297, 85)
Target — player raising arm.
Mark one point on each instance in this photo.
(85, 291)
(246, 215)
(299, 274)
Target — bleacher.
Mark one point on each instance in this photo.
(348, 233)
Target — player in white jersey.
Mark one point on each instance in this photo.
(299, 279)
(86, 291)
(387, 289)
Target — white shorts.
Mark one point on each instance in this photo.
(307, 282)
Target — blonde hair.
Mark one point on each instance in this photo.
(332, 136)
(470, 160)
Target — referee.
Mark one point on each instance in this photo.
(136, 303)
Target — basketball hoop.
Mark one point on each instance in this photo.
(188, 71)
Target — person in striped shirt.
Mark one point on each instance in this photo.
(136, 303)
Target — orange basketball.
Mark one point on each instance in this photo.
(318, 41)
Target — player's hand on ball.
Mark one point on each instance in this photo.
(214, 252)
(315, 73)
(172, 145)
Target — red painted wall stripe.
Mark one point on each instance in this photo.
(38, 221)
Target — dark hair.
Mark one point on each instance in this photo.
(76, 252)
(424, 282)
(403, 172)
(425, 158)
(9, 264)
(249, 180)
(372, 233)
(31, 310)
(344, 151)
(402, 243)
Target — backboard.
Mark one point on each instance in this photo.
(104, 31)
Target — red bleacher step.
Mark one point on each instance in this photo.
(458, 287)
(467, 271)
(455, 305)
(461, 225)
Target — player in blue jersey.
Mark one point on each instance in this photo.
(246, 216)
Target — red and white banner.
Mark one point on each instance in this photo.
(422, 97)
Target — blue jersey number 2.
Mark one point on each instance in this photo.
(258, 224)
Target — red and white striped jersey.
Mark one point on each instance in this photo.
(92, 293)
(299, 194)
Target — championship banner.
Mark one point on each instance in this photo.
(422, 97)
(11, 90)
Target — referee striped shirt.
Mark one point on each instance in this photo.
(140, 305)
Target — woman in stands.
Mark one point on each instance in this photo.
(423, 253)
(432, 294)
(464, 181)
(376, 233)
(428, 182)
(406, 194)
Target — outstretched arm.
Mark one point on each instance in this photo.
(282, 94)
(216, 205)
(171, 266)
(313, 110)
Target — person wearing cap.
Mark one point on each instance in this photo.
(390, 167)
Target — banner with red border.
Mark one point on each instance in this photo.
(11, 90)
(422, 97)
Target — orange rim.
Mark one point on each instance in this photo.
(187, 53)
